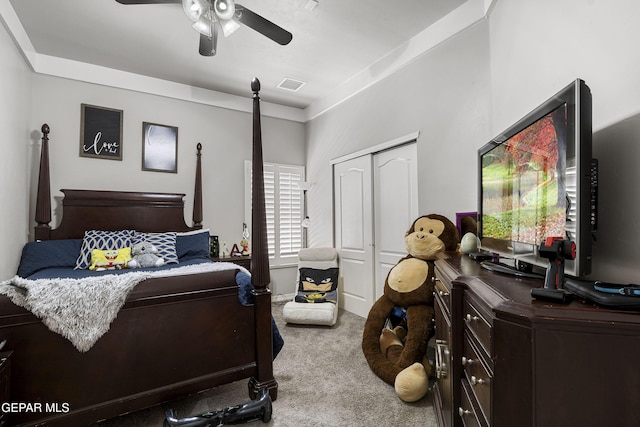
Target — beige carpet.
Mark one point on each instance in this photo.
(323, 380)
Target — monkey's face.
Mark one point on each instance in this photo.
(423, 238)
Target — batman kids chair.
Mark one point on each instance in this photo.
(316, 299)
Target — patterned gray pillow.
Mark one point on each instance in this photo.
(165, 243)
(102, 240)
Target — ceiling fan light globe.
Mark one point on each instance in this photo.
(229, 27)
(203, 26)
(194, 9)
(225, 9)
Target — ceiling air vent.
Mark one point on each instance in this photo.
(291, 84)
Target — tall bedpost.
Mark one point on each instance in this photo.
(197, 193)
(260, 264)
(260, 253)
(43, 196)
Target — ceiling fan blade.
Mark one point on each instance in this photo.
(208, 45)
(262, 25)
(147, 1)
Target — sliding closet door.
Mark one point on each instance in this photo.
(395, 198)
(354, 232)
(375, 202)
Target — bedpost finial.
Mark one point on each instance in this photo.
(45, 129)
(199, 148)
(255, 85)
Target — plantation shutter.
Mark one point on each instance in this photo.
(270, 206)
(290, 204)
(284, 209)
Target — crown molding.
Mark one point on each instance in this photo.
(463, 17)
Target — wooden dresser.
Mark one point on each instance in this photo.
(504, 359)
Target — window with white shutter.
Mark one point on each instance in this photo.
(284, 206)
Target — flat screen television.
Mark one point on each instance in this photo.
(537, 180)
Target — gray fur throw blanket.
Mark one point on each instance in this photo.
(82, 310)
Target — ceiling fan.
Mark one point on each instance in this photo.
(209, 15)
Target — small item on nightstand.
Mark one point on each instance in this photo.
(245, 247)
(245, 240)
(214, 247)
(235, 251)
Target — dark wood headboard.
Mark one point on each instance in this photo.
(119, 210)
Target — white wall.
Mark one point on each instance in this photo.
(444, 94)
(15, 147)
(538, 47)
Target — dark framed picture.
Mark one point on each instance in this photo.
(159, 148)
(100, 132)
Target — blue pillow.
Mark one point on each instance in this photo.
(48, 253)
(192, 245)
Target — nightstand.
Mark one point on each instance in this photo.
(244, 261)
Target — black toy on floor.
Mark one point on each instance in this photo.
(259, 408)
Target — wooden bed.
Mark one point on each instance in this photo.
(174, 336)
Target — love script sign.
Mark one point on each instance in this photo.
(101, 132)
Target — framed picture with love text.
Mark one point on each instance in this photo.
(159, 148)
(100, 132)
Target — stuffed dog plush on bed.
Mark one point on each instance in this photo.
(144, 255)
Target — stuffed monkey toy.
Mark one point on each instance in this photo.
(398, 355)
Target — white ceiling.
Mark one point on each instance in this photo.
(331, 44)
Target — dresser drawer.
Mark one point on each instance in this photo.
(478, 376)
(466, 410)
(443, 293)
(477, 325)
(442, 287)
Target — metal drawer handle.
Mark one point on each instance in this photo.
(477, 381)
(434, 279)
(466, 361)
(443, 294)
(470, 318)
(462, 412)
(442, 356)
